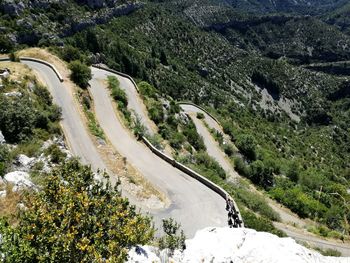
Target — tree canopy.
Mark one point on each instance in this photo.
(74, 218)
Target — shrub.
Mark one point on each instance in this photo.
(174, 237)
(74, 219)
(176, 140)
(14, 57)
(241, 167)
(293, 172)
(17, 118)
(4, 159)
(299, 202)
(260, 223)
(254, 202)
(194, 138)
(147, 89)
(56, 155)
(139, 128)
(80, 73)
(261, 174)
(155, 111)
(200, 115)
(202, 158)
(229, 150)
(156, 141)
(118, 94)
(247, 145)
(70, 53)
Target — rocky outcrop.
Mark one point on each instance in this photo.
(235, 245)
(19, 180)
(33, 27)
(12, 8)
(78, 24)
(2, 138)
(23, 163)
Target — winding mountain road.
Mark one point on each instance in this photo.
(77, 137)
(287, 217)
(212, 146)
(192, 203)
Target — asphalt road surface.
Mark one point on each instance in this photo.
(192, 204)
(79, 141)
(215, 151)
(212, 146)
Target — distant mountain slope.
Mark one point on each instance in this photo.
(43, 22)
(302, 39)
(340, 17)
(290, 6)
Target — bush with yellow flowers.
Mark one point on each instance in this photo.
(74, 218)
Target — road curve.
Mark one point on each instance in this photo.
(77, 137)
(212, 146)
(192, 204)
(299, 235)
(135, 103)
(205, 208)
(215, 151)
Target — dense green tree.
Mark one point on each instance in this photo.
(261, 174)
(17, 118)
(70, 53)
(74, 218)
(147, 89)
(293, 172)
(247, 145)
(80, 73)
(174, 237)
(155, 111)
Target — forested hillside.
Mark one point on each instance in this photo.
(291, 124)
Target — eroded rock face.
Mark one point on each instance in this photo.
(2, 138)
(23, 163)
(96, 4)
(12, 8)
(239, 245)
(20, 180)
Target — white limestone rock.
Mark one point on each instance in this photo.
(19, 179)
(2, 193)
(2, 138)
(23, 163)
(242, 245)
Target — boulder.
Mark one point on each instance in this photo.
(239, 245)
(11, 7)
(2, 138)
(23, 163)
(20, 180)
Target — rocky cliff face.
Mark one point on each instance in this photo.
(46, 21)
(235, 245)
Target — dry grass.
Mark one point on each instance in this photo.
(18, 70)
(9, 204)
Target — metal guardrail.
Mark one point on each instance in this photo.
(229, 200)
(38, 61)
(199, 107)
(220, 191)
